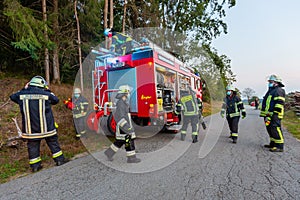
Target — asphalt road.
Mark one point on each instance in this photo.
(213, 168)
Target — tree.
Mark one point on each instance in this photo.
(248, 93)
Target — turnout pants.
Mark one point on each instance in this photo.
(79, 126)
(275, 132)
(33, 146)
(129, 144)
(233, 124)
(194, 120)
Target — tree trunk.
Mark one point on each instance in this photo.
(111, 14)
(56, 72)
(124, 17)
(46, 53)
(105, 20)
(79, 45)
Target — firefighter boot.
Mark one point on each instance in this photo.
(133, 159)
(37, 168)
(109, 154)
(271, 145)
(182, 137)
(277, 148)
(61, 162)
(234, 140)
(195, 138)
(203, 125)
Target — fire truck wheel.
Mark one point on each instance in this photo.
(91, 120)
(111, 124)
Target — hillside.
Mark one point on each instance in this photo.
(14, 160)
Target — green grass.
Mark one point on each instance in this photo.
(292, 123)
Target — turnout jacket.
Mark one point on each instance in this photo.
(233, 106)
(188, 106)
(35, 106)
(80, 107)
(273, 102)
(123, 120)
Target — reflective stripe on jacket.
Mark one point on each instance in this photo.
(188, 105)
(35, 106)
(233, 106)
(80, 107)
(273, 102)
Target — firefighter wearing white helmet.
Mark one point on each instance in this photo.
(233, 106)
(124, 132)
(79, 112)
(35, 101)
(272, 111)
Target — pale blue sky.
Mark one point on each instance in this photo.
(263, 38)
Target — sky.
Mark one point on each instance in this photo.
(263, 38)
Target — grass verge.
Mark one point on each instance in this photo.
(292, 123)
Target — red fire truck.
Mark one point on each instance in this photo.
(155, 78)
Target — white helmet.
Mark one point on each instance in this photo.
(38, 81)
(277, 79)
(230, 87)
(77, 91)
(124, 89)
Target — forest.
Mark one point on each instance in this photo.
(52, 38)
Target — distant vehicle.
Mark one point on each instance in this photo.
(252, 103)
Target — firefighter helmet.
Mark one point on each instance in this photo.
(277, 79)
(230, 87)
(107, 32)
(38, 81)
(77, 91)
(124, 89)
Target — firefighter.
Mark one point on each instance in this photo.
(233, 106)
(120, 43)
(272, 111)
(79, 112)
(124, 132)
(190, 110)
(35, 101)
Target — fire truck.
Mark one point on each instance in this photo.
(156, 79)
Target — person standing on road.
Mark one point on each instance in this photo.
(124, 132)
(188, 105)
(256, 102)
(79, 112)
(233, 105)
(35, 101)
(272, 111)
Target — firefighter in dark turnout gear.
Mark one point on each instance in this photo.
(35, 102)
(79, 112)
(233, 105)
(189, 107)
(272, 111)
(120, 43)
(124, 132)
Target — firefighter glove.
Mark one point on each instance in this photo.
(222, 114)
(267, 121)
(243, 115)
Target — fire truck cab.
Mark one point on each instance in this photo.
(155, 78)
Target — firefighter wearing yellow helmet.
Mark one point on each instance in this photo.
(272, 111)
(79, 112)
(124, 132)
(35, 101)
(233, 106)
